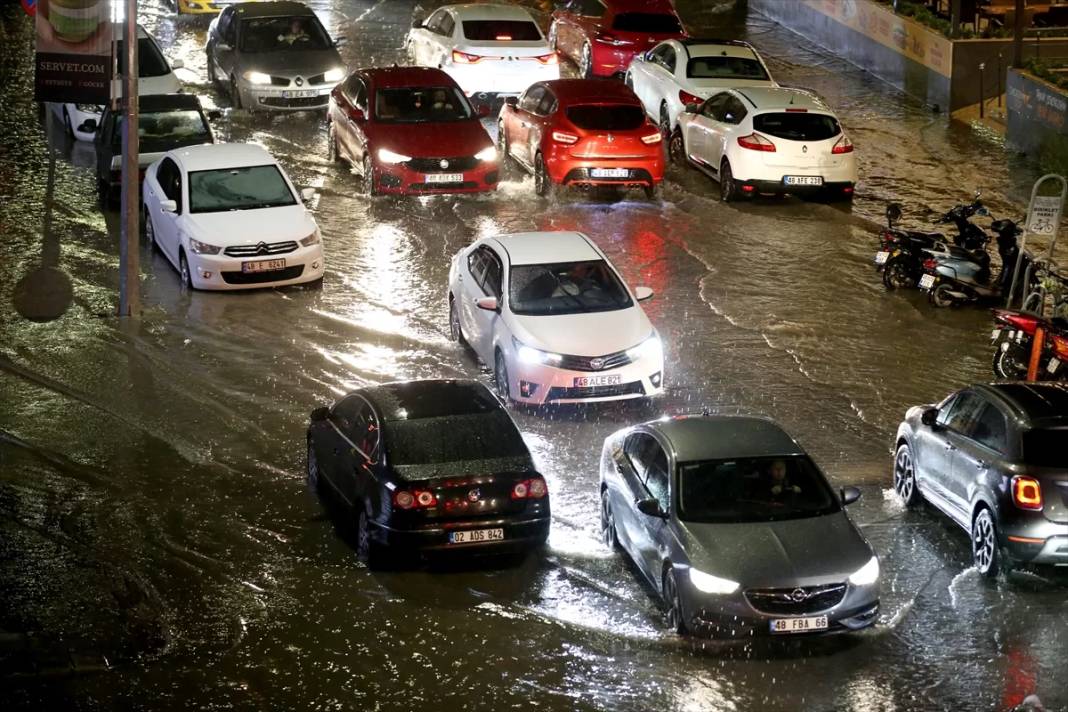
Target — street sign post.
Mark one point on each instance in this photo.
(1043, 219)
(130, 231)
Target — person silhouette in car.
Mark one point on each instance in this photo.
(296, 32)
(779, 481)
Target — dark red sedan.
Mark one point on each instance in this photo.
(410, 130)
(602, 36)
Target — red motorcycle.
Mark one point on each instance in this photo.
(1013, 336)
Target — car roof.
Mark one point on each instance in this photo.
(577, 91)
(161, 102)
(781, 98)
(1033, 403)
(541, 248)
(489, 11)
(430, 398)
(208, 157)
(271, 8)
(720, 437)
(390, 77)
(654, 6)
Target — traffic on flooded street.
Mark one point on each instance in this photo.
(591, 356)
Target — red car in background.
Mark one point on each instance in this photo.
(602, 36)
(581, 132)
(410, 130)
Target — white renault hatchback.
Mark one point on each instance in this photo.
(550, 314)
(767, 140)
(680, 72)
(227, 217)
(490, 50)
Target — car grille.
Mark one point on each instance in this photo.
(583, 363)
(277, 275)
(263, 248)
(433, 165)
(279, 81)
(795, 601)
(307, 102)
(623, 389)
(582, 175)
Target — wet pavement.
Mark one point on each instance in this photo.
(159, 548)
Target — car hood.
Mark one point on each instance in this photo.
(449, 139)
(250, 227)
(594, 334)
(795, 552)
(305, 63)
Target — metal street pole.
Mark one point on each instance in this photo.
(1017, 35)
(130, 231)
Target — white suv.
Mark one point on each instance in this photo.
(550, 314)
(680, 72)
(767, 140)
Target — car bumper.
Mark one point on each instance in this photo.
(539, 384)
(221, 272)
(261, 98)
(1038, 541)
(772, 179)
(643, 171)
(399, 179)
(520, 534)
(608, 61)
(502, 77)
(77, 117)
(200, 7)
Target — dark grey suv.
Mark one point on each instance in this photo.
(994, 458)
(736, 528)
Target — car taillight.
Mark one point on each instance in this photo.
(843, 145)
(1060, 346)
(687, 98)
(756, 142)
(416, 499)
(930, 263)
(564, 137)
(652, 138)
(464, 58)
(1026, 492)
(550, 58)
(534, 488)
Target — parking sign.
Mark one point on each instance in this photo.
(1044, 215)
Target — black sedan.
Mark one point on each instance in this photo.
(429, 466)
(994, 458)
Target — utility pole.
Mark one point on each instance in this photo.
(130, 214)
(1017, 35)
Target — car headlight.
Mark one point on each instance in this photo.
(258, 78)
(334, 75)
(867, 574)
(203, 248)
(650, 348)
(90, 108)
(312, 239)
(489, 153)
(531, 355)
(707, 583)
(387, 156)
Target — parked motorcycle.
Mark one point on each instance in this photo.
(965, 276)
(1013, 338)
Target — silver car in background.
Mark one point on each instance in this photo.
(273, 56)
(736, 528)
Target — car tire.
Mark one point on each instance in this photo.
(1010, 364)
(235, 94)
(986, 552)
(184, 272)
(677, 147)
(368, 551)
(332, 154)
(315, 482)
(940, 296)
(150, 230)
(585, 65)
(504, 161)
(676, 618)
(665, 122)
(213, 78)
(500, 377)
(456, 331)
(728, 189)
(608, 523)
(68, 128)
(370, 180)
(543, 182)
(905, 476)
(898, 275)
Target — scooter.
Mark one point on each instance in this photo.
(1013, 338)
(965, 275)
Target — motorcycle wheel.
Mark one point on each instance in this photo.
(898, 274)
(1011, 363)
(941, 297)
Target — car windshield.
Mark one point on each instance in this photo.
(454, 438)
(566, 288)
(170, 126)
(501, 30)
(599, 117)
(755, 489)
(414, 105)
(648, 22)
(150, 61)
(238, 189)
(283, 34)
(1044, 447)
(797, 126)
(725, 68)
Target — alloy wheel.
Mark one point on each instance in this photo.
(333, 155)
(313, 468)
(985, 544)
(727, 190)
(543, 184)
(150, 231)
(183, 271)
(235, 93)
(608, 523)
(369, 177)
(898, 275)
(500, 377)
(675, 617)
(676, 148)
(586, 63)
(455, 330)
(665, 122)
(365, 552)
(905, 476)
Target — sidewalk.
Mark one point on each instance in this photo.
(993, 120)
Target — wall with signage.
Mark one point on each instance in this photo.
(1037, 115)
(73, 62)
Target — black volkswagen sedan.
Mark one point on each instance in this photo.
(429, 466)
(994, 459)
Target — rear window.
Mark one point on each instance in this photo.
(797, 126)
(412, 401)
(431, 441)
(606, 118)
(1045, 447)
(648, 22)
(725, 68)
(150, 63)
(501, 31)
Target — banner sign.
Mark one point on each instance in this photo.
(73, 51)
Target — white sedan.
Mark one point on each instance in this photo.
(767, 140)
(550, 314)
(227, 217)
(680, 72)
(490, 50)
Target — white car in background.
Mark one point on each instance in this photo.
(228, 217)
(490, 50)
(550, 314)
(679, 72)
(767, 140)
(155, 76)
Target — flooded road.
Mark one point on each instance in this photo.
(159, 548)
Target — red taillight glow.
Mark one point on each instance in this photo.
(550, 58)
(465, 58)
(687, 98)
(1060, 346)
(534, 488)
(652, 138)
(930, 263)
(756, 142)
(421, 499)
(843, 145)
(1026, 493)
(563, 137)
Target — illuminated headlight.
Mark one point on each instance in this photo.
(203, 248)
(334, 75)
(489, 153)
(90, 108)
(707, 583)
(867, 574)
(312, 239)
(258, 78)
(650, 348)
(531, 355)
(387, 156)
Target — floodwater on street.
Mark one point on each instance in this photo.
(159, 546)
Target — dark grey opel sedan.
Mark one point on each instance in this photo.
(994, 459)
(736, 528)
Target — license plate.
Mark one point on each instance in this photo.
(1053, 365)
(445, 178)
(609, 173)
(263, 266)
(927, 281)
(882, 257)
(299, 94)
(474, 536)
(798, 625)
(587, 381)
(803, 180)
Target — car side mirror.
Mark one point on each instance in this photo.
(214, 115)
(168, 206)
(417, 24)
(307, 194)
(929, 417)
(487, 303)
(223, 47)
(849, 495)
(320, 414)
(692, 108)
(511, 100)
(649, 507)
(88, 126)
(643, 293)
(482, 110)
(177, 64)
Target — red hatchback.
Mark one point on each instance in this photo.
(410, 130)
(581, 132)
(602, 36)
